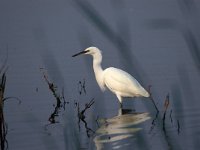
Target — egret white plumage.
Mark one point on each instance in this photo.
(116, 80)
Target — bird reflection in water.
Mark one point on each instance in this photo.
(118, 128)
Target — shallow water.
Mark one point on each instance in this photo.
(157, 42)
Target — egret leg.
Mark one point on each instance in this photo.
(120, 100)
(121, 105)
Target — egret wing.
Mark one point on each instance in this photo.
(120, 81)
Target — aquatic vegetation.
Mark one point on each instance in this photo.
(82, 117)
(3, 125)
(60, 100)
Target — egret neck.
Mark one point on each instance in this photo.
(98, 71)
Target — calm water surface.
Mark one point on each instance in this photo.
(156, 42)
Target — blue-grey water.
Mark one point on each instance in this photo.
(156, 41)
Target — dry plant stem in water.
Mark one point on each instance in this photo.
(81, 117)
(53, 89)
(152, 98)
(166, 105)
(3, 126)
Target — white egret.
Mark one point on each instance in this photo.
(116, 80)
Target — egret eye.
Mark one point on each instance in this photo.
(86, 51)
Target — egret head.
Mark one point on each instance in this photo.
(90, 50)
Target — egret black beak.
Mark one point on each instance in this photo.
(83, 52)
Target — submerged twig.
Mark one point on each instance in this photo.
(3, 126)
(153, 124)
(171, 116)
(81, 87)
(164, 115)
(81, 116)
(97, 122)
(53, 89)
(178, 126)
(4, 67)
(54, 114)
(63, 97)
(151, 97)
(166, 105)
